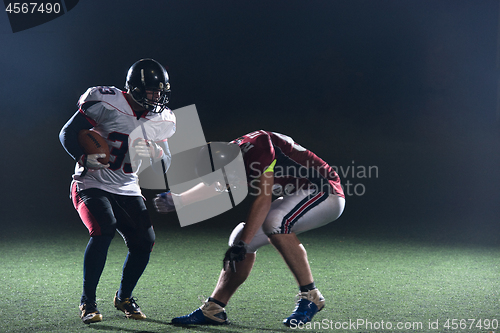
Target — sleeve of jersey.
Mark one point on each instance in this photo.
(260, 157)
(167, 156)
(88, 115)
(69, 134)
(168, 124)
(90, 105)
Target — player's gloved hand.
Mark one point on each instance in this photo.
(90, 161)
(164, 203)
(234, 254)
(148, 149)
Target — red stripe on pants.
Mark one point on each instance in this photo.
(300, 210)
(87, 218)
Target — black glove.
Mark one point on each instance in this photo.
(235, 254)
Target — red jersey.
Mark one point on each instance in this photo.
(295, 167)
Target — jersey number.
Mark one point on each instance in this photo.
(119, 153)
(106, 91)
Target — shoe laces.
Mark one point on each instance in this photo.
(203, 299)
(129, 303)
(133, 302)
(301, 295)
(89, 307)
(304, 295)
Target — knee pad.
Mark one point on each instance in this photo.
(141, 242)
(99, 244)
(259, 240)
(236, 233)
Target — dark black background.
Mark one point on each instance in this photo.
(407, 86)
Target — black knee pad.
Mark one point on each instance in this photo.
(141, 241)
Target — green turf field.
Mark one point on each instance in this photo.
(369, 283)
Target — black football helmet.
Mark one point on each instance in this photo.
(148, 75)
(220, 156)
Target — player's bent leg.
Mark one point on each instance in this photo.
(295, 256)
(94, 260)
(134, 225)
(134, 266)
(230, 281)
(296, 214)
(308, 304)
(311, 301)
(94, 208)
(302, 211)
(259, 240)
(210, 313)
(320, 215)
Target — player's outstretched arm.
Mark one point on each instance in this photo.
(164, 202)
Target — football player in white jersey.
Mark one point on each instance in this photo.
(136, 124)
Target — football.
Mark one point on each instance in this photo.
(92, 143)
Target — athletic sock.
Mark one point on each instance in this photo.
(308, 287)
(210, 299)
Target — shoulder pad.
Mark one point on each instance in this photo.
(168, 114)
(100, 94)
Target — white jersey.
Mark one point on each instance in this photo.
(114, 119)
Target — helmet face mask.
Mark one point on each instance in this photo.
(225, 157)
(147, 83)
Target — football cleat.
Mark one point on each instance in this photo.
(209, 313)
(129, 307)
(89, 313)
(309, 303)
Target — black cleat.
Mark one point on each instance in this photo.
(89, 313)
(129, 307)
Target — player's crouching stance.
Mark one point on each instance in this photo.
(107, 196)
(310, 196)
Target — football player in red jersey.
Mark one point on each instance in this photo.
(108, 197)
(309, 196)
